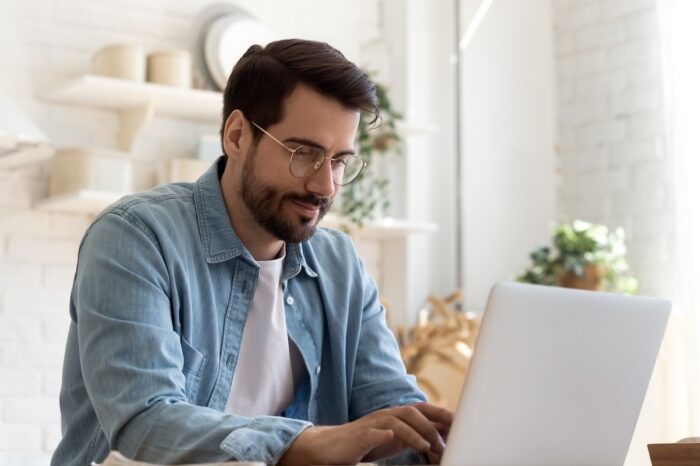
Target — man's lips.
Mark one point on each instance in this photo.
(307, 209)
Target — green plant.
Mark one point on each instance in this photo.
(360, 199)
(577, 247)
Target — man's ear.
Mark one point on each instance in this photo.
(233, 133)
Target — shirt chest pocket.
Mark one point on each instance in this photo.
(193, 368)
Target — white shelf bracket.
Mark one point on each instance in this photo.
(132, 120)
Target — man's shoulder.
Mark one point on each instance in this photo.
(157, 209)
(157, 204)
(151, 200)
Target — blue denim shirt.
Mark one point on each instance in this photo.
(158, 307)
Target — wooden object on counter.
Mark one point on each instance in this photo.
(437, 350)
(685, 452)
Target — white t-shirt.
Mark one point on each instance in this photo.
(263, 382)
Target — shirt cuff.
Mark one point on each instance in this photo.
(265, 439)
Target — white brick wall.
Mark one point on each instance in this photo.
(612, 160)
(41, 43)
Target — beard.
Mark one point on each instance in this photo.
(265, 204)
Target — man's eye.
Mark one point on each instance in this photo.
(304, 152)
(339, 161)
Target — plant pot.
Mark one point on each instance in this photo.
(592, 278)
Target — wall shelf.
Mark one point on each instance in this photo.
(382, 228)
(119, 94)
(136, 102)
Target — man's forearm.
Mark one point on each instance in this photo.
(185, 433)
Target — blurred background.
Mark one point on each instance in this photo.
(503, 119)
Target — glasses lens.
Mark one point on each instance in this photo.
(346, 168)
(306, 160)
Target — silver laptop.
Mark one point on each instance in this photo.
(558, 377)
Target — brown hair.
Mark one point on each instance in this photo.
(264, 77)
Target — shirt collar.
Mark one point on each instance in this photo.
(218, 237)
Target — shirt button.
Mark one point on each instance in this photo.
(290, 300)
(318, 370)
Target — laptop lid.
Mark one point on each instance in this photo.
(558, 377)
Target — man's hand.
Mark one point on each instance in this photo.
(381, 434)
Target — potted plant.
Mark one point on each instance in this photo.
(583, 255)
(361, 200)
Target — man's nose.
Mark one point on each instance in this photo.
(321, 182)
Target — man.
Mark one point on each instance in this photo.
(212, 321)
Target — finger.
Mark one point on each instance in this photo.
(375, 437)
(405, 433)
(441, 443)
(435, 413)
(444, 429)
(415, 418)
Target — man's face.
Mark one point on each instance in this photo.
(286, 207)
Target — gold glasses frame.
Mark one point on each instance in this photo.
(318, 163)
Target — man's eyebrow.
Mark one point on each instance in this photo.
(309, 142)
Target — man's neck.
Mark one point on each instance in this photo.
(261, 244)
(260, 249)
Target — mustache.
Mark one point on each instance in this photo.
(316, 201)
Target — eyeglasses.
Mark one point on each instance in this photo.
(306, 160)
